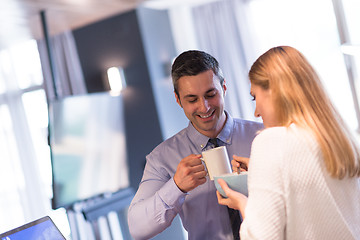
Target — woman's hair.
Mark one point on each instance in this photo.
(300, 98)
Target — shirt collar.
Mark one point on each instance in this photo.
(200, 140)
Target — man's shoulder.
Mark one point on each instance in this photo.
(248, 124)
(172, 142)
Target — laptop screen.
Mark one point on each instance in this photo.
(41, 229)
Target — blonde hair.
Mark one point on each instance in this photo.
(300, 98)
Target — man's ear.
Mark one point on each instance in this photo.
(177, 99)
(224, 87)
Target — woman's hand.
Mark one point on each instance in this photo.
(234, 199)
(239, 164)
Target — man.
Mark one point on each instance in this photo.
(175, 180)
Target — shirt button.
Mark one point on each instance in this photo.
(201, 146)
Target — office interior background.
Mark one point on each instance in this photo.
(142, 41)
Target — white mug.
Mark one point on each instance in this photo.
(216, 161)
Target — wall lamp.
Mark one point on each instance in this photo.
(116, 79)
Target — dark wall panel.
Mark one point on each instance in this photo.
(117, 42)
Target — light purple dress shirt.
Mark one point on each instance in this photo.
(158, 199)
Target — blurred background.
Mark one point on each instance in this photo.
(86, 92)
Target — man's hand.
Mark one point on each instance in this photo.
(239, 164)
(190, 173)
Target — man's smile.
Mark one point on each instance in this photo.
(208, 115)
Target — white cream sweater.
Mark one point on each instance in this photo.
(291, 195)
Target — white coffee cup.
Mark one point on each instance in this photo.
(216, 161)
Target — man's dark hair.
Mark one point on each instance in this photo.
(191, 63)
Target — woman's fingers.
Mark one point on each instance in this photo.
(240, 163)
(233, 199)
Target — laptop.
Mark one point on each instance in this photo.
(40, 229)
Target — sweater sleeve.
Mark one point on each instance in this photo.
(265, 210)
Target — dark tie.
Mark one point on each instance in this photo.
(234, 215)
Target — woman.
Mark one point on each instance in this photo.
(304, 168)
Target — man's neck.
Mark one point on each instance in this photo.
(222, 124)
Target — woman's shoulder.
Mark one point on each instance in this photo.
(284, 131)
(277, 136)
(270, 134)
(276, 144)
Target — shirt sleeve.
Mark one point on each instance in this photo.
(265, 210)
(155, 205)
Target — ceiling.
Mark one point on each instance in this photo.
(21, 19)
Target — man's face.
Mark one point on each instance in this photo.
(202, 99)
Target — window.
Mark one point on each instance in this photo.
(348, 18)
(24, 152)
(297, 23)
(311, 27)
